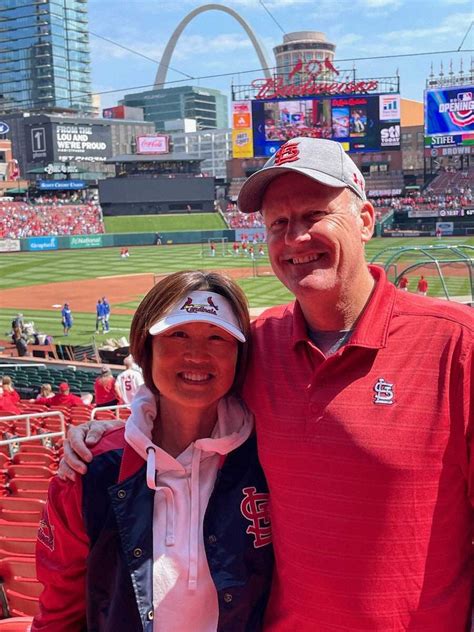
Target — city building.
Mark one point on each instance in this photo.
(70, 146)
(45, 58)
(206, 106)
(212, 146)
(304, 54)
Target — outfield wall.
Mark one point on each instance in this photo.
(111, 240)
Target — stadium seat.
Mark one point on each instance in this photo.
(16, 624)
(18, 546)
(20, 605)
(30, 471)
(18, 566)
(34, 458)
(18, 529)
(20, 509)
(25, 484)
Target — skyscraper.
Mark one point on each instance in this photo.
(44, 55)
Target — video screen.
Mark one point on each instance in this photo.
(361, 122)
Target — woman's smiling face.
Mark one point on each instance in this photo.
(194, 364)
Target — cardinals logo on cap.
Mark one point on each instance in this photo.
(289, 152)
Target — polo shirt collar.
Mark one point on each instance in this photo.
(372, 326)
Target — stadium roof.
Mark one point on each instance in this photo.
(175, 157)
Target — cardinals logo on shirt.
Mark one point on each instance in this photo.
(46, 531)
(383, 392)
(255, 509)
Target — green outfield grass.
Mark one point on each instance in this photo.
(163, 223)
(24, 269)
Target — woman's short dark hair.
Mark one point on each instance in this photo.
(168, 291)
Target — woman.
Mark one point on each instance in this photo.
(46, 392)
(104, 388)
(168, 530)
(8, 391)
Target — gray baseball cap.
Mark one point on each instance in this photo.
(322, 160)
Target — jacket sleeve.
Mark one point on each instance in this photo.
(61, 554)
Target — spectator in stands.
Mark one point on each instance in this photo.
(63, 398)
(104, 388)
(9, 393)
(46, 390)
(20, 340)
(18, 322)
(66, 318)
(7, 405)
(176, 540)
(128, 381)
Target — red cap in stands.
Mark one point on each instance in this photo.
(64, 386)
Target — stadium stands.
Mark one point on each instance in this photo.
(49, 217)
(26, 468)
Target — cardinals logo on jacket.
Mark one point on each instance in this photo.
(46, 531)
(254, 507)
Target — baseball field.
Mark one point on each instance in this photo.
(38, 284)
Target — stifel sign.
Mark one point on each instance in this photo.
(276, 88)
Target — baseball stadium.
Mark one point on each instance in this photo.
(97, 209)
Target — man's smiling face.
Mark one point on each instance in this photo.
(315, 234)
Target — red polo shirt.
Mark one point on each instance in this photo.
(367, 458)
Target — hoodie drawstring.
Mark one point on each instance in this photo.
(168, 494)
(194, 521)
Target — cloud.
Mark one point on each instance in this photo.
(451, 29)
(382, 4)
(223, 43)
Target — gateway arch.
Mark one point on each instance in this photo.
(160, 78)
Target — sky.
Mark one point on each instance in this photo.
(215, 43)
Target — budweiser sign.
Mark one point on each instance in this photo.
(315, 81)
(155, 144)
(276, 88)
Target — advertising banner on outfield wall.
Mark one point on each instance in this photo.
(86, 241)
(446, 228)
(9, 245)
(42, 243)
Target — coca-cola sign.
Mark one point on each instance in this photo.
(153, 144)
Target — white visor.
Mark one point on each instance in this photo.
(201, 307)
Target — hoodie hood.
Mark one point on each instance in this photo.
(234, 426)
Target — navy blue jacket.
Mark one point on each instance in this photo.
(118, 519)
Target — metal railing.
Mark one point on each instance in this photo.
(34, 437)
(115, 408)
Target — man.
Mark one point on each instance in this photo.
(361, 399)
(106, 312)
(422, 286)
(128, 381)
(99, 316)
(66, 319)
(403, 283)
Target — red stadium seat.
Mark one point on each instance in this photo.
(31, 471)
(21, 605)
(34, 458)
(16, 624)
(25, 483)
(18, 529)
(18, 546)
(18, 566)
(36, 447)
(20, 509)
